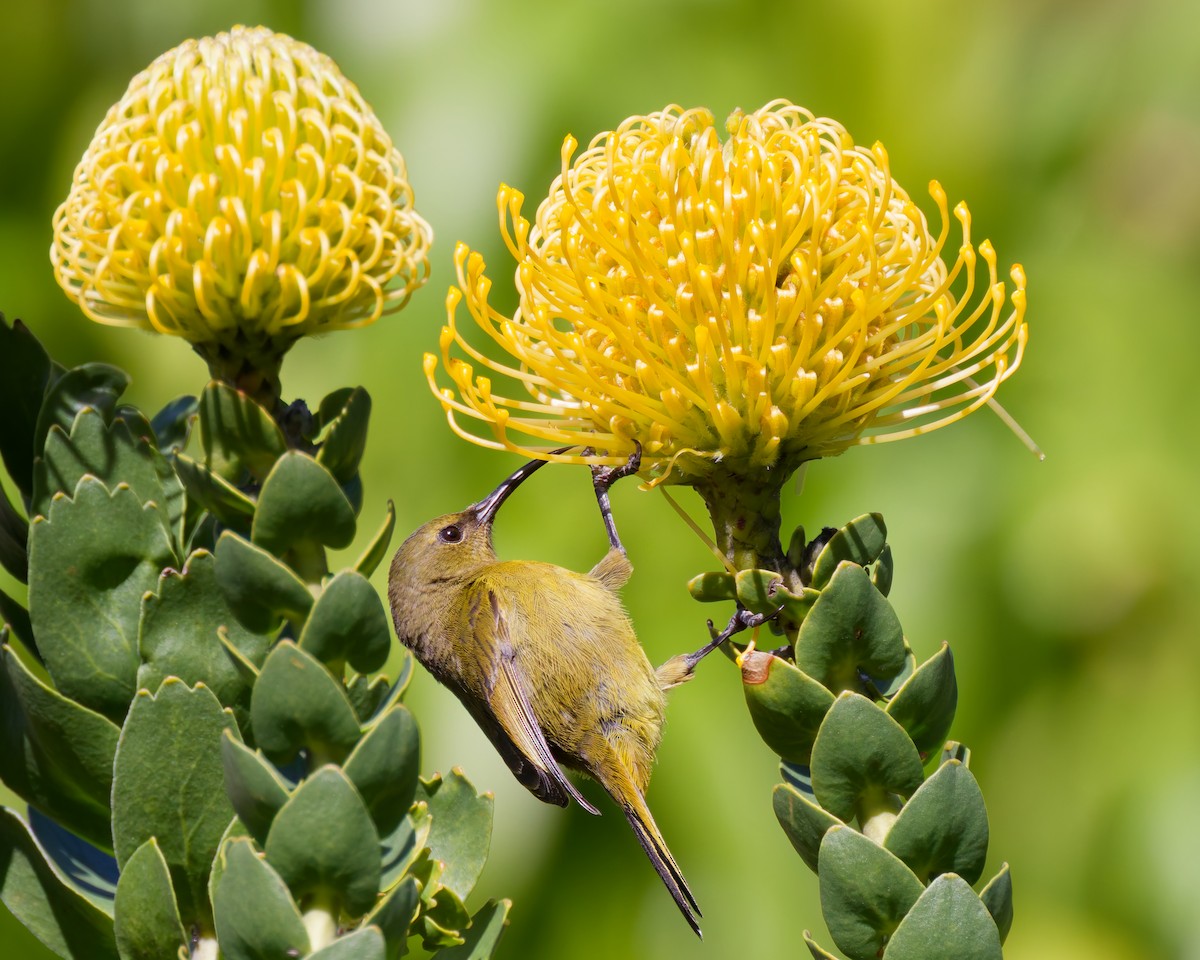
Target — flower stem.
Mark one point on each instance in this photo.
(746, 520)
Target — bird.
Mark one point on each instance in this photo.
(545, 659)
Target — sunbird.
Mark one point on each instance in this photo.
(545, 659)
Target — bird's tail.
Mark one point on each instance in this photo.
(646, 830)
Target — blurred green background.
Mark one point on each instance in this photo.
(1067, 588)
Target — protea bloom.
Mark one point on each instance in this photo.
(737, 307)
(240, 195)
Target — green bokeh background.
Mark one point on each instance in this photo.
(1067, 588)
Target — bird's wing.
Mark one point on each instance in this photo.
(507, 717)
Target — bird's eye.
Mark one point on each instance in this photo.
(450, 534)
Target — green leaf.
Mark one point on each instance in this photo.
(256, 917)
(385, 765)
(253, 785)
(479, 941)
(301, 502)
(38, 896)
(178, 634)
(363, 944)
(795, 550)
(323, 840)
(56, 754)
(851, 627)
(238, 436)
(786, 705)
(712, 587)
(110, 453)
(997, 897)
(173, 423)
(95, 385)
(146, 920)
(348, 623)
(865, 892)
(462, 828)
(925, 704)
(756, 590)
(394, 914)
(401, 848)
(215, 494)
(862, 755)
(90, 563)
(297, 704)
(342, 447)
(881, 573)
(168, 783)
(366, 694)
(14, 540)
(944, 826)
(257, 587)
(25, 375)
(803, 821)
(861, 541)
(443, 919)
(376, 550)
(948, 923)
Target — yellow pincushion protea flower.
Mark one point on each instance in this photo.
(240, 195)
(752, 303)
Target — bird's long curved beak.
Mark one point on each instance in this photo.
(485, 509)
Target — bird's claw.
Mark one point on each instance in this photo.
(605, 477)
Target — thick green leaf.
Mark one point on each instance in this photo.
(14, 540)
(301, 503)
(25, 374)
(480, 940)
(38, 896)
(394, 914)
(786, 705)
(401, 848)
(881, 573)
(95, 385)
(861, 541)
(803, 821)
(925, 704)
(238, 436)
(173, 423)
(865, 892)
(348, 623)
(376, 550)
(109, 452)
(756, 589)
(254, 786)
(257, 587)
(850, 628)
(366, 694)
(323, 840)
(462, 828)
(146, 921)
(56, 754)
(168, 783)
(948, 923)
(90, 563)
(818, 952)
(215, 494)
(256, 917)
(178, 634)
(364, 944)
(297, 704)
(344, 441)
(862, 755)
(997, 897)
(795, 550)
(385, 765)
(712, 587)
(944, 826)
(444, 917)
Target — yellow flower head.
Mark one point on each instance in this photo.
(240, 191)
(752, 303)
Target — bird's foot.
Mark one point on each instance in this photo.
(605, 477)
